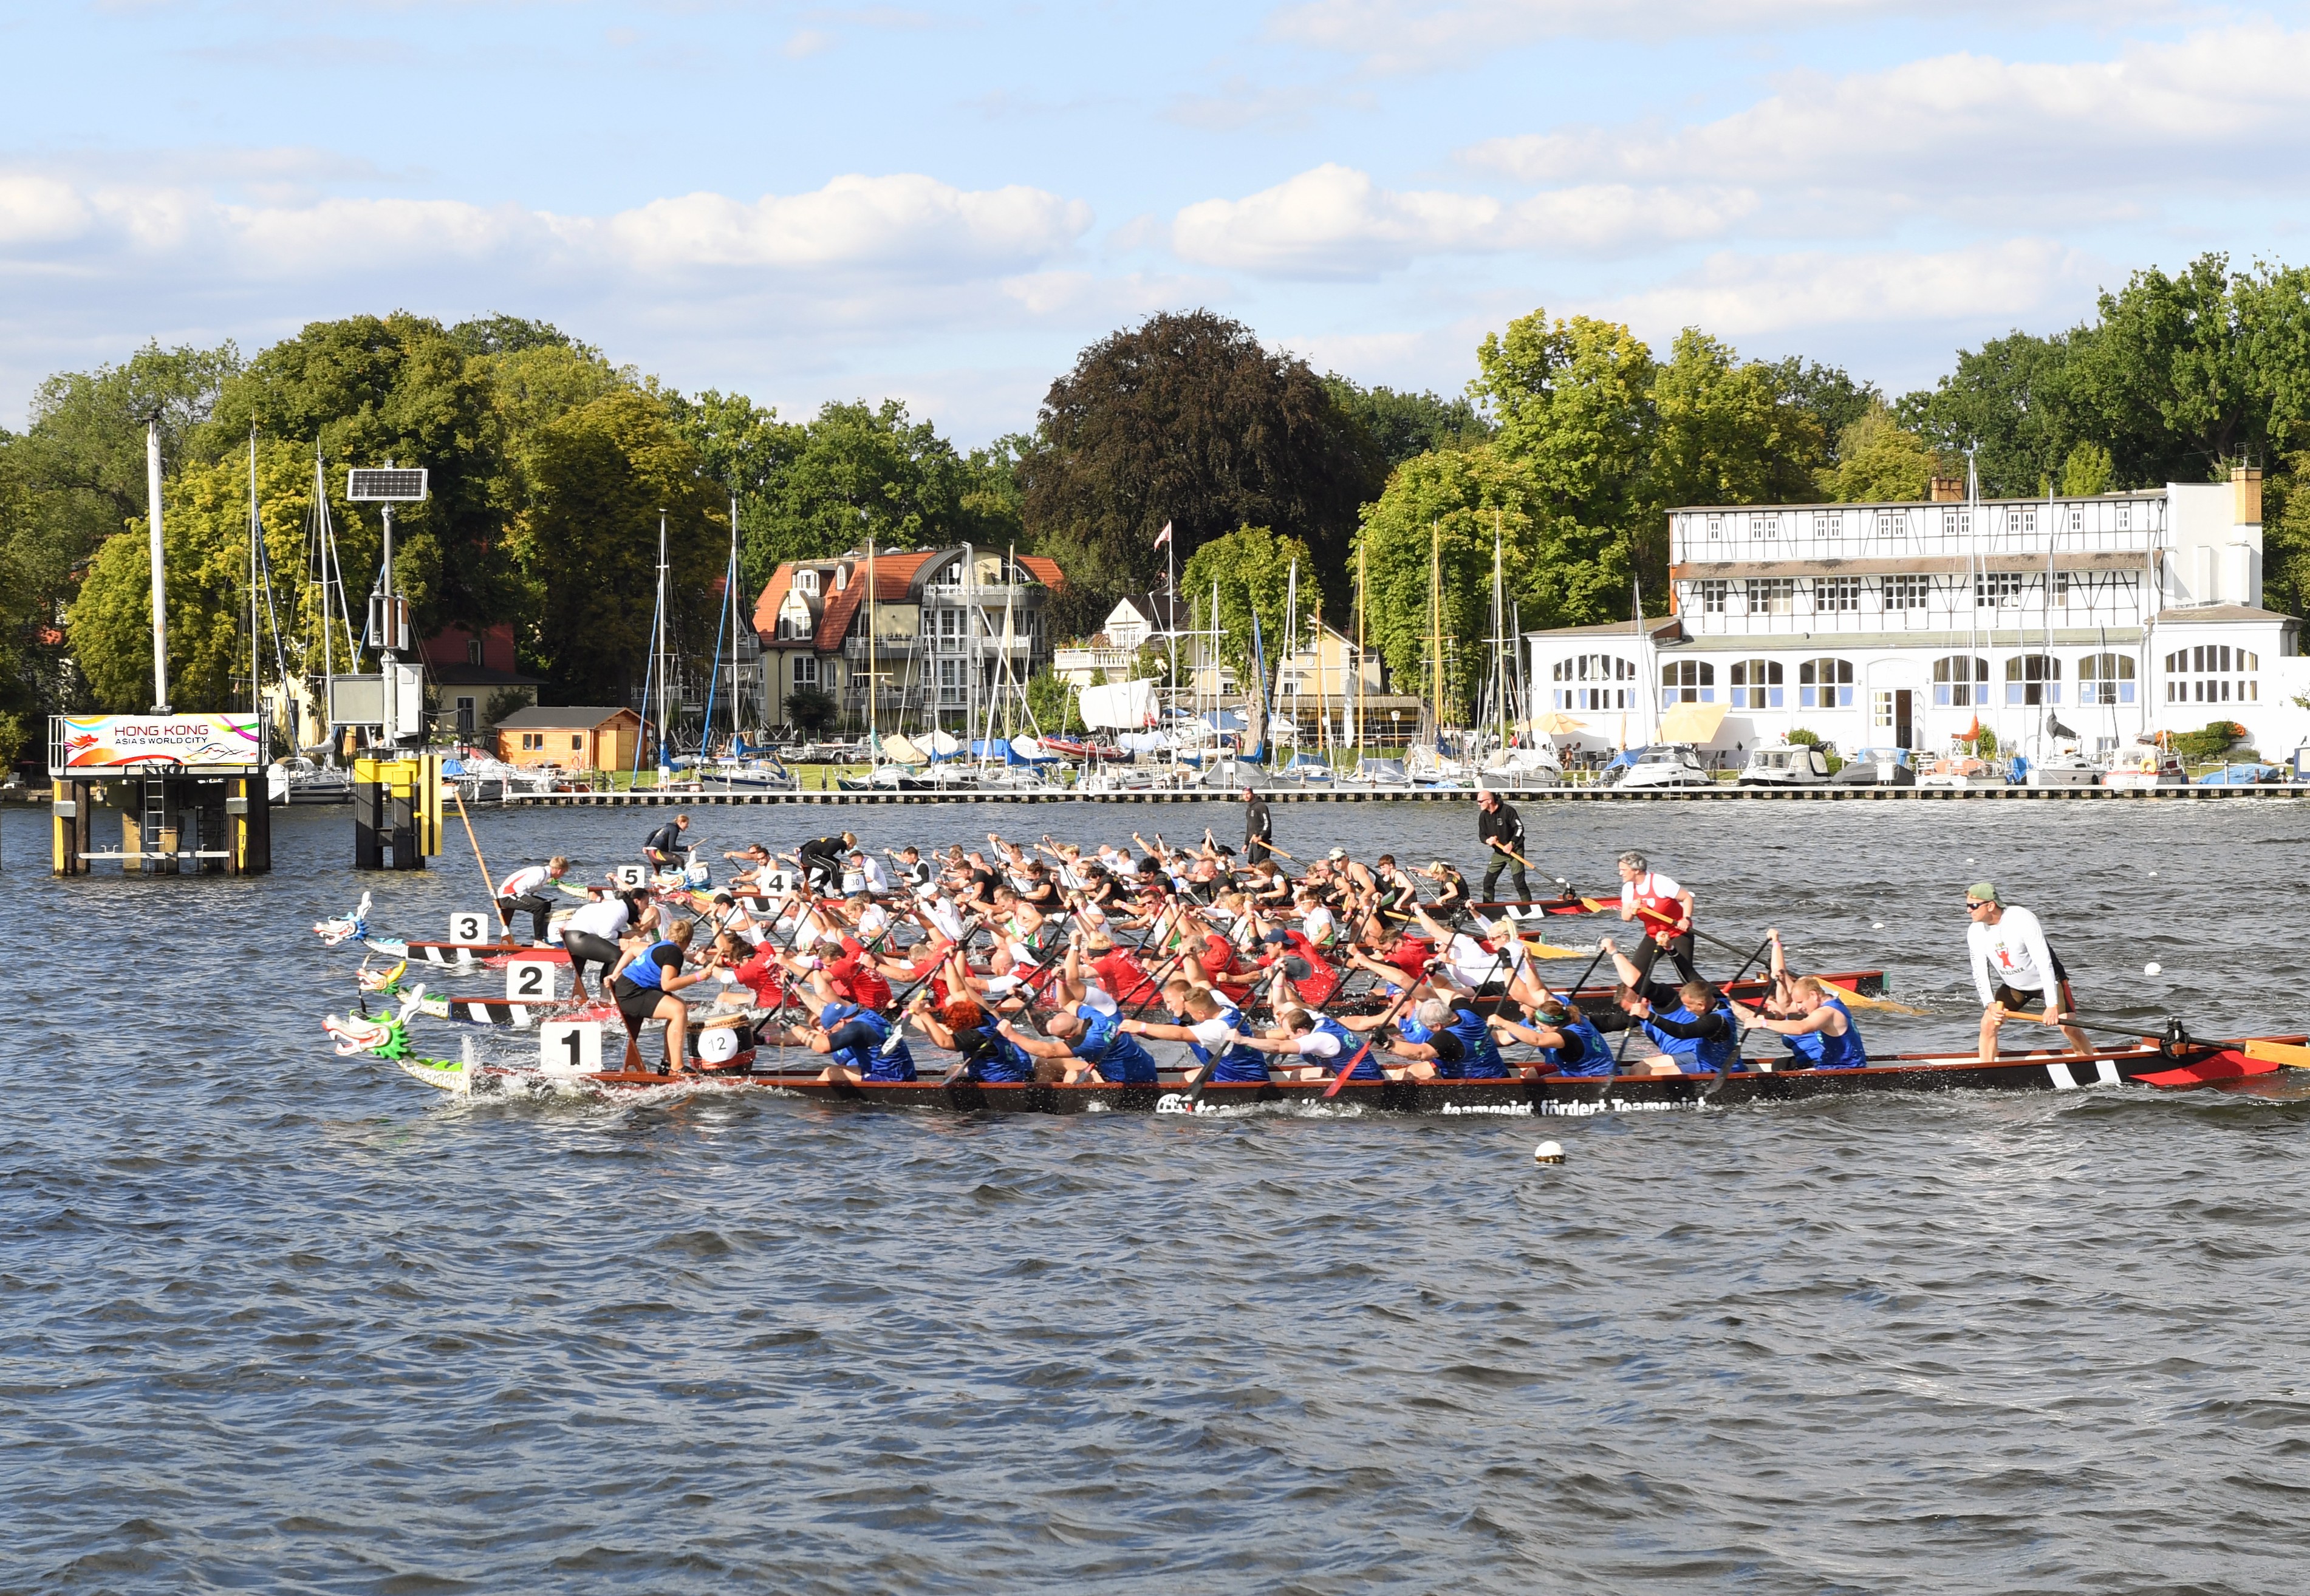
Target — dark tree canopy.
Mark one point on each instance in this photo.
(1402, 426)
(1187, 418)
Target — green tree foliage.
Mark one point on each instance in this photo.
(370, 389)
(1446, 505)
(1252, 569)
(1401, 427)
(204, 534)
(809, 710)
(1877, 459)
(1828, 393)
(585, 544)
(1186, 418)
(2012, 401)
(2087, 470)
(1723, 433)
(1051, 700)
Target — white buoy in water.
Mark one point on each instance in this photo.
(2153, 968)
(2153, 873)
(1548, 1152)
(1877, 925)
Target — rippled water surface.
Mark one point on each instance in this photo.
(276, 1320)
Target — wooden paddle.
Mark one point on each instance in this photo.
(1845, 994)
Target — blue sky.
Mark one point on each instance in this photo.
(945, 201)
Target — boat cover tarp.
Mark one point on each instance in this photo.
(1119, 706)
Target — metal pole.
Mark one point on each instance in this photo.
(159, 569)
(387, 665)
(665, 685)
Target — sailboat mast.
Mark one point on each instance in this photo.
(1436, 622)
(664, 687)
(866, 602)
(256, 677)
(1361, 605)
(1499, 614)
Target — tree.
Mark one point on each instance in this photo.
(1723, 433)
(204, 537)
(585, 544)
(1051, 700)
(2012, 400)
(1186, 418)
(1251, 569)
(1403, 426)
(1878, 459)
(370, 389)
(2087, 471)
(1830, 395)
(1573, 403)
(1444, 507)
(811, 710)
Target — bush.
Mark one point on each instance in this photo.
(1804, 739)
(812, 710)
(2212, 743)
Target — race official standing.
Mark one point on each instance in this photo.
(1501, 829)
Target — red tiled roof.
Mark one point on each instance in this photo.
(890, 573)
(1047, 571)
(766, 608)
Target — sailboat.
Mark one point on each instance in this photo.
(1426, 762)
(310, 775)
(1508, 765)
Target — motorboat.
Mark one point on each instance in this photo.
(1377, 773)
(2066, 768)
(753, 776)
(298, 780)
(1305, 770)
(1877, 768)
(1512, 767)
(1961, 770)
(1785, 764)
(1662, 765)
(2144, 767)
(1427, 767)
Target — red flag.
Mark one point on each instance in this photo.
(1163, 536)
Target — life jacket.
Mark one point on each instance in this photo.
(882, 1062)
(1821, 1050)
(1655, 912)
(1366, 1067)
(1693, 1055)
(642, 974)
(1585, 1053)
(1238, 1062)
(1118, 1057)
(1483, 1061)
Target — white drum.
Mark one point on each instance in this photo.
(718, 1045)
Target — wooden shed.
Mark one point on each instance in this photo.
(574, 736)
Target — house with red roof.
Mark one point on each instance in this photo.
(940, 630)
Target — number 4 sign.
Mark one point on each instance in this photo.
(569, 1046)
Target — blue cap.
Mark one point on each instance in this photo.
(828, 1016)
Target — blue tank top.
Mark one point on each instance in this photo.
(1366, 1067)
(1116, 1056)
(1693, 1055)
(1585, 1052)
(873, 1063)
(1238, 1063)
(1483, 1060)
(1000, 1061)
(644, 972)
(1821, 1050)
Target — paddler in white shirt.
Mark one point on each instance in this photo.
(2013, 968)
(1664, 909)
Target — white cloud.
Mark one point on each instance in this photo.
(1736, 295)
(1394, 36)
(2205, 110)
(1334, 221)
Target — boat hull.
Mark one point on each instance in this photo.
(2147, 1064)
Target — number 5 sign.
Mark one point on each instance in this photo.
(629, 876)
(569, 1046)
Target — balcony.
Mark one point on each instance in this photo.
(892, 645)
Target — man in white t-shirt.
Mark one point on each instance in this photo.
(1664, 910)
(2013, 968)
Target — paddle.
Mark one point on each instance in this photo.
(1026, 986)
(1347, 1069)
(1845, 995)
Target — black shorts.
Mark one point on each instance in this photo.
(638, 1003)
(2034, 1001)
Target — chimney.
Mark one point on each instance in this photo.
(2246, 495)
(1949, 490)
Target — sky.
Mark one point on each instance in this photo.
(944, 202)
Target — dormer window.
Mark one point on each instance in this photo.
(841, 577)
(806, 581)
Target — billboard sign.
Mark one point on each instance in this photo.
(87, 745)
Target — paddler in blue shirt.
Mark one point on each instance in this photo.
(1092, 1046)
(964, 1028)
(1692, 1025)
(1213, 1027)
(1818, 1027)
(1569, 1044)
(1321, 1044)
(860, 1043)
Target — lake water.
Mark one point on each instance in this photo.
(276, 1320)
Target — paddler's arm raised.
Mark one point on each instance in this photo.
(1028, 1042)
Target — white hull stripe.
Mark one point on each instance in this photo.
(2064, 1077)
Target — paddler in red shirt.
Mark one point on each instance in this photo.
(1665, 910)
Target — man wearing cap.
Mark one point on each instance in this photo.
(1258, 830)
(1499, 829)
(2013, 968)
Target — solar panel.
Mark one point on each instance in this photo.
(382, 484)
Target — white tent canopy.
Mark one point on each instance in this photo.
(1121, 706)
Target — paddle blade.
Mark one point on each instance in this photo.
(1346, 1069)
(1862, 999)
(2287, 1055)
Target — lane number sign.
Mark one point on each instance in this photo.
(466, 927)
(630, 876)
(569, 1046)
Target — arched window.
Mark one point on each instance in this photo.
(2105, 679)
(2033, 679)
(1687, 682)
(1825, 684)
(1960, 682)
(1596, 681)
(1756, 684)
